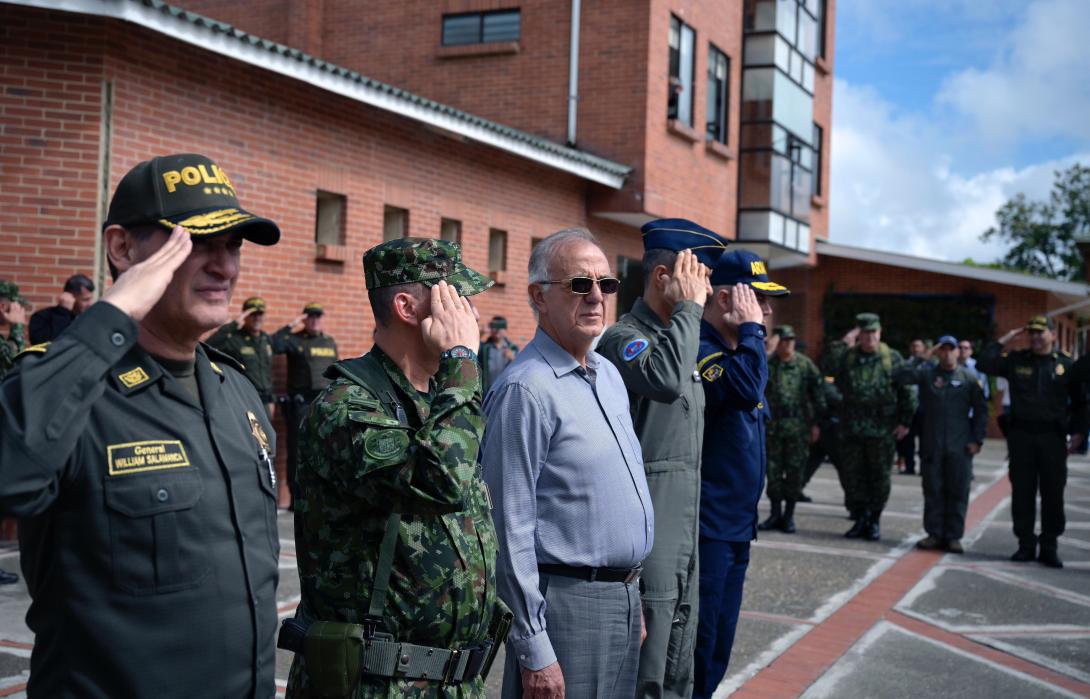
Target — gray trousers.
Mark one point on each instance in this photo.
(946, 477)
(594, 628)
(671, 588)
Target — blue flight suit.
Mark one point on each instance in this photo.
(732, 480)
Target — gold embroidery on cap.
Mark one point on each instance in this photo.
(133, 378)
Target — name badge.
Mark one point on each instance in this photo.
(139, 457)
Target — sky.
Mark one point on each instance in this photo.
(945, 109)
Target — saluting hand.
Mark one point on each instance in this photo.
(744, 307)
(140, 287)
(900, 432)
(244, 315)
(451, 322)
(1010, 335)
(689, 281)
(15, 315)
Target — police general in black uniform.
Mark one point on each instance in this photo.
(140, 463)
(1047, 403)
(310, 352)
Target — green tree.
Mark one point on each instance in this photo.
(1043, 234)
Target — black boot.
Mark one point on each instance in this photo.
(803, 497)
(7, 578)
(787, 524)
(773, 521)
(1048, 555)
(1027, 551)
(872, 532)
(860, 525)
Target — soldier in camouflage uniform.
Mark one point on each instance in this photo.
(396, 541)
(12, 325)
(796, 397)
(874, 416)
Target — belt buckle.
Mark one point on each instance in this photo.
(633, 575)
(452, 667)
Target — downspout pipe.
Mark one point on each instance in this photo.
(573, 72)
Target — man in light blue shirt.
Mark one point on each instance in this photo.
(572, 509)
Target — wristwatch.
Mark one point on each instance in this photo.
(458, 352)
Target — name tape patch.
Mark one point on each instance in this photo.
(323, 352)
(634, 348)
(152, 455)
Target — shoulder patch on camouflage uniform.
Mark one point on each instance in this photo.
(634, 349)
(383, 445)
(39, 348)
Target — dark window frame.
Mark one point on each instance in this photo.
(673, 103)
(818, 147)
(719, 128)
(480, 37)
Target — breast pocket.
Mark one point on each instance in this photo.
(157, 538)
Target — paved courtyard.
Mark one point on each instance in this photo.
(825, 616)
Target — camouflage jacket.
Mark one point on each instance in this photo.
(873, 403)
(9, 347)
(356, 465)
(795, 390)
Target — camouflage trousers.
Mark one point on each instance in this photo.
(788, 448)
(865, 464)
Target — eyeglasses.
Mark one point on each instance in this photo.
(965, 347)
(583, 285)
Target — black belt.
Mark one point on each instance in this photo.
(625, 575)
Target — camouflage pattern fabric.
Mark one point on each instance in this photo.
(423, 260)
(357, 464)
(796, 396)
(872, 408)
(9, 347)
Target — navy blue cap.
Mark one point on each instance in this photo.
(948, 340)
(679, 234)
(745, 267)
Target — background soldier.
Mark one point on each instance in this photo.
(1047, 403)
(310, 352)
(655, 348)
(251, 346)
(796, 399)
(955, 419)
(496, 352)
(139, 462)
(12, 325)
(874, 415)
(396, 545)
(918, 356)
(48, 323)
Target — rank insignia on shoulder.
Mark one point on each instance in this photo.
(712, 373)
(39, 348)
(383, 445)
(634, 349)
(1060, 370)
(133, 377)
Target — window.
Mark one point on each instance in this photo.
(451, 230)
(679, 104)
(818, 147)
(630, 272)
(395, 223)
(497, 250)
(717, 123)
(329, 219)
(481, 27)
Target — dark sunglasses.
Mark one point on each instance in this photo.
(583, 285)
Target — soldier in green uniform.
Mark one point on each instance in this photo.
(655, 350)
(309, 352)
(796, 397)
(139, 462)
(250, 346)
(874, 415)
(393, 524)
(955, 418)
(12, 325)
(1048, 403)
(496, 352)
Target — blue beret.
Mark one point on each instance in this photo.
(745, 267)
(679, 234)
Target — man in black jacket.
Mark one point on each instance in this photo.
(78, 294)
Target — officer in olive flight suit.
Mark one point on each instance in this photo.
(140, 463)
(310, 352)
(655, 349)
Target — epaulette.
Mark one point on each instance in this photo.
(1065, 353)
(223, 358)
(39, 348)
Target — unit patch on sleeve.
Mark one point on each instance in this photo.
(634, 348)
(152, 455)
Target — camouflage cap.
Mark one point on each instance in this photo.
(255, 302)
(1040, 323)
(424, 260)
(786, 332)
(10, 291)
(868, 321)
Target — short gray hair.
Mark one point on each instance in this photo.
(544, 252)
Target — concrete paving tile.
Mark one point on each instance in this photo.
(753, 639)
(1067, 654)
(13, 665)
(965, 599)
(1076, 580)
(797, 584)
(893, 664)
(827, 529)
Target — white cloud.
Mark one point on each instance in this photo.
(894, 185)
(1037, 85)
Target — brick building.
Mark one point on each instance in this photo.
(486, 127)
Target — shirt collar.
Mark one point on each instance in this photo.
(558, 358)
(644, 313)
